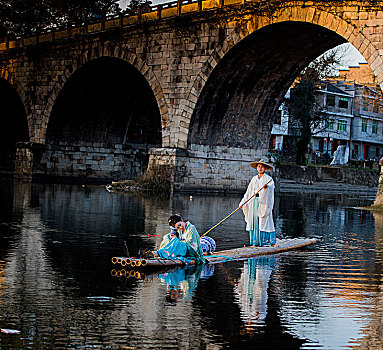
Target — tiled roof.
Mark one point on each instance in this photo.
(332, 88)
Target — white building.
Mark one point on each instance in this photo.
(367, 130)
(353, 118)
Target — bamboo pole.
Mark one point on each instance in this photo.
(235, 210)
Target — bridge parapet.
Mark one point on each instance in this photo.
(133, 18)
(182, 7)
(162, 12)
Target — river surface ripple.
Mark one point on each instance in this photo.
(57, 289)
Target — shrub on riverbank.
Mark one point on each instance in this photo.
(156, 178)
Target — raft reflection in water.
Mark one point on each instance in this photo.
(251, 290)
(181, 283)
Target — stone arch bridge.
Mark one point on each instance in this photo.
(190, 86)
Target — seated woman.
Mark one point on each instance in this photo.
(186, 245)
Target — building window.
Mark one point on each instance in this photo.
(343, 102)
(272, 142)
(376, 107)
(342, 125)
(364, 126)
(374, 127)
(279, 117)
(329, 124)
(330, 100)
(356, 151)
(366, 153)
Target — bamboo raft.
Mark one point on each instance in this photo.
(283, 245)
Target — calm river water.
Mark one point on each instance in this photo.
(56, 287)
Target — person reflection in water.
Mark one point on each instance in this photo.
(181, 283)
(251, 289)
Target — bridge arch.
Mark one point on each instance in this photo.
(120, 53)
(14, 123)
(102, 123)
(333, 29)
(11, 79)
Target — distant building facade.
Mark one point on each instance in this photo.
(354, 118)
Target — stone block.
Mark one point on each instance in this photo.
(363, 16)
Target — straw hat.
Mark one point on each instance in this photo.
(267, 166)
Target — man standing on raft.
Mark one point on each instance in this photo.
(259, 211)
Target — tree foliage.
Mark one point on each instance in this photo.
(302, 106)
(135, 4)
(26, 17)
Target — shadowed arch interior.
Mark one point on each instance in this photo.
(102, 124)
(238, 103)
(14, 125)
(106, 101)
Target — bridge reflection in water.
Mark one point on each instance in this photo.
(55, 284)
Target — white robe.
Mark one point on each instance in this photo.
(265, 200)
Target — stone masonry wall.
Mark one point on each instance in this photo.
(93, 162)
(303, 174)
(365, 177)
(218, 168)
(24, 161)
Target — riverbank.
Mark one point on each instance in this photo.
(286, 185)
(283, 185)
(318, 174)
(288, 178)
